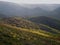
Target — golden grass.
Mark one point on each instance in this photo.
(32, 31)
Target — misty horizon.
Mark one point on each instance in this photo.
(34, 1)
(47, 7)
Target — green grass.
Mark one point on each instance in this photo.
(16, 31)
(19, 36)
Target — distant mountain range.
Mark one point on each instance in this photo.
(56, 13)
(12, 9)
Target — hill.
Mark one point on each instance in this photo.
(54, 14)
(18, 31)
(51, 22)
(20, 22)
(23, 23)
(10, 35)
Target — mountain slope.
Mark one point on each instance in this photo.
(20, 22)
(23, 23)
(18, 31)
(55, 13)
(46, 21)
(11, 35)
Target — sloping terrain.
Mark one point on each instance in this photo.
(56, 13)
(46, 21)
(19, 22)
(10, 35)
(18, 31)
(22, 23)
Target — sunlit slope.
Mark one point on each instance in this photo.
(18, 31)
(23, 23)
(19, 36)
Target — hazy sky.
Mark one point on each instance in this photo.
(34, 1)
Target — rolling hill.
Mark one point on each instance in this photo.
(23, 23)
(12, 35)
(56, 13)
(19, 31)
(51, 22)
(20, 22)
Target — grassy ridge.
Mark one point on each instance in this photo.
(16, 31)
(16, 36)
